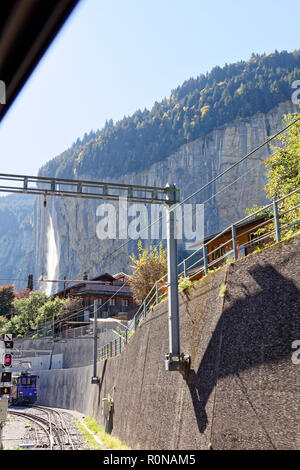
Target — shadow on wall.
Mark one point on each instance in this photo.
(255, 330)
(101, 381)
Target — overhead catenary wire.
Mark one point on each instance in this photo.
(213, 180)
(173, 208)
(191, 196)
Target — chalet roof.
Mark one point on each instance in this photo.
(123, 291)
(242, 224)
(86, 288)
(106, 277)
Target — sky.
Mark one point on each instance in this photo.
(113, 57)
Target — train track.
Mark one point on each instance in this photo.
(53, 426)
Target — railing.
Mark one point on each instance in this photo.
(112, 349)
(202, 260)
(200, 263)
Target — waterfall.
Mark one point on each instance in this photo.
(52, 253)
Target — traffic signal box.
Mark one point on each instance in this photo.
(7, 358)
(5, 377)
(5, 385)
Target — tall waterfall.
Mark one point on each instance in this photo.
(52, 252)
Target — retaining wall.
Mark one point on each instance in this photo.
(242, 392)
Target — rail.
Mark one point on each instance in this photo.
(203, 260)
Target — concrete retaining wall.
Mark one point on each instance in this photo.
(242, 391)
(38, 363)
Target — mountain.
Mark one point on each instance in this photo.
(193, 110)
(205, 125)
(190, 167)
(17, 238)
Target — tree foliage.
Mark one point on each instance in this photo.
(29, 312)
(148, 267)
(7, 296)
(283, 174)
(192, 110)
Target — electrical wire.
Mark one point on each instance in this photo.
(173, 208)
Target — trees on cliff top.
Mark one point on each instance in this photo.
(283, 175)
(192, 110)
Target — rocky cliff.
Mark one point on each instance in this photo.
(17, 239)
(74, 239)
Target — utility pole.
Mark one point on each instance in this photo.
(175, 360)
(95, 378)
(174, 336)
(113, 192)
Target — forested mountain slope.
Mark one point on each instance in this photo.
(192, 110)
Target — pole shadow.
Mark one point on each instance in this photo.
(258, 329)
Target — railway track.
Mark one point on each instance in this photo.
(52, 425)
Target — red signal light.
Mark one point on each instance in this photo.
(7, 360)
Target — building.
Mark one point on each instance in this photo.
(112, 293)
(220, 248)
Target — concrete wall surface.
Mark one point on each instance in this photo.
(76, 352)
(243, 389)
(38, 363)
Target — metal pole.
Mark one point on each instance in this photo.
(95, 378)
(174, 337)
(184, 269)
(276, 220)
(234, 243)
(156, 293)
(205, 260)
(1, 433)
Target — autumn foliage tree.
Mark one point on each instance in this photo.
(148, 267)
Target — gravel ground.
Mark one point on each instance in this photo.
(21, 433)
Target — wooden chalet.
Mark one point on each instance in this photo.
(102, 288)
(222, 247)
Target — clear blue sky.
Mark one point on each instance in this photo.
(113, 57)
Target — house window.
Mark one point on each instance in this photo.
(112, 301)
(216, 254)
(125, 302)
(252, 239)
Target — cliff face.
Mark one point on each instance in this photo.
(74, 239)
(17, 242)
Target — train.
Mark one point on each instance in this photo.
(24, 389)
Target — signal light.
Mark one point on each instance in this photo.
(6, 377)
(5, 390)
(7, 360)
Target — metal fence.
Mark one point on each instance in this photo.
(112, 349)
(269, 231)
(202, 261)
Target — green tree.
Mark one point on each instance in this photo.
(283, 174)
(52, 309)
(36, 310)
(27, 313)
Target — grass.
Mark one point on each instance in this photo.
(223, 289)
(109, 441)
(89, 438)
(184, 283)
